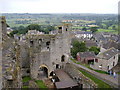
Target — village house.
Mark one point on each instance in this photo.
(109, 45)
(35, 32)
(86, 57)
(99, 39)
(106, 60)
(83, 34)
(53, 32)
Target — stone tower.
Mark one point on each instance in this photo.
(49, 52)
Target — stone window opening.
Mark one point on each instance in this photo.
(60, 30)
(57, 66)
(48, 43)
(63, 58)
(40, 40)
(48, 48)
(60, 27)
(28, 71)
(96, 60)
(31, 43)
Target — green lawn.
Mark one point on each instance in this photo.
(26, 79)
(103, 72)
(40, 84)
(99, 82)
(25, 87)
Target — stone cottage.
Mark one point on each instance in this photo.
(86, 57)
(106, 60)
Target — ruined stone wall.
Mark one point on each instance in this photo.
(1, 55)
(10, 64)
(77, 76)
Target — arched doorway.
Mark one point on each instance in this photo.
(43, 72)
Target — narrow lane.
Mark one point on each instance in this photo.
(104, 77)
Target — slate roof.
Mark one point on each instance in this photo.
(83, 32)
(86, 54)
(108, 54)
(110, 44)
(99, 37)
(65, 80)
(90, 43)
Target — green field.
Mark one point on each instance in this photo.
(106, 30)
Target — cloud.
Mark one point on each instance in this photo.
(59, 6)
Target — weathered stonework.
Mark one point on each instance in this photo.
(35, 54)
(10, 62)
(48, 51)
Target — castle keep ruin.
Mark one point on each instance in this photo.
(48, 52)
(37, 56)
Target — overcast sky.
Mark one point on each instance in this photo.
(59, 6)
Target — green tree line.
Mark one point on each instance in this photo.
(24, 30)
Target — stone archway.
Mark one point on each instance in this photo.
(43, 72)
(64, 57)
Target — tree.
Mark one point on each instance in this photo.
(13, 32)
(78, 47)
(93, 29)
(114, 27)
(50, 28)
(95, 49)
(34, 27)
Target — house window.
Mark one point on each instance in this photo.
(60, 27)
(114, 57)
(113, 63)
(96, 60)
